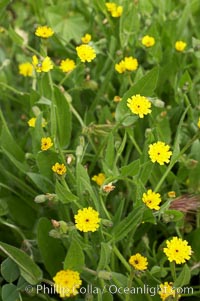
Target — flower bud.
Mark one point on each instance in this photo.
(105, 275)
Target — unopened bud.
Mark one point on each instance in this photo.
(55, 223)
(107, 222)
(40, 198)
(105, 275)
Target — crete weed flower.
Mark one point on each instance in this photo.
(108, 188)
(198, 124)
(171, 194)
(178, 250)
(87, 219)
(131, 63)
(46, 143)
(151, 199)
(67, 282)
(148, 41)
(44, 32)
(120, 67)
(86, 38)
(31, 122)
(159, 152)
(114, 9)
(139, 105)
(44, 65)
(99, 179)
(60, 169)
(139, 262)
(180, 46)
(86, 53)
(166, 290)
(26, 69)
(67, 65)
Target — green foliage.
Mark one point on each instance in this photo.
(93, 131)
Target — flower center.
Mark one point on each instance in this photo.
(87, 220)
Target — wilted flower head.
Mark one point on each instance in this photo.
(186, 203)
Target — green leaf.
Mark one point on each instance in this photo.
(45, 161)
(71, 27)
(131, 169)
(110, 151)
(183, 278)
(144, 86)
(10, 293)
(64, 194)
(9, 270)
(127, 225)
(172, 215)
(51, 249)
(75, 258)
(17, 39)
(44, 184)
(63, 118)
(104, 256)
(29, 270)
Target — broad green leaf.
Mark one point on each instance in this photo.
(3, 207)
(29, 270)
(131, 169)
(183, 278)
(51, 249)
(66, 25)
(41, 182)
(64, 194)
(127, 225)
(172, 215)
(63, 118)
(10, 293)
(75, 258)
(105, 254)
(9, 270)
(45, 161)
(145, 87)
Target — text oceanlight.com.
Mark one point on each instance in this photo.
(112, 289)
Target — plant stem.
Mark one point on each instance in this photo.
(173, 270)
(122, 259)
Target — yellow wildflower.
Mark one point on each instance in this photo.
(151, 199)
(148, 41)
(60, 169)
(44, 32)
(46, 143)
(139, 262)
(180, 46)
(44, 65)
(67, 282)
(198, 124)
(26, 69)
(171, 194)
(31, 122)
(159, 152)
(67, 65)
(99, 179)
(86, 53)
(86, 38)
(166, 290)
(114, 9)
(120, 67)
(131, 63)
(178, 250)
(139, 105)
(87, 220)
